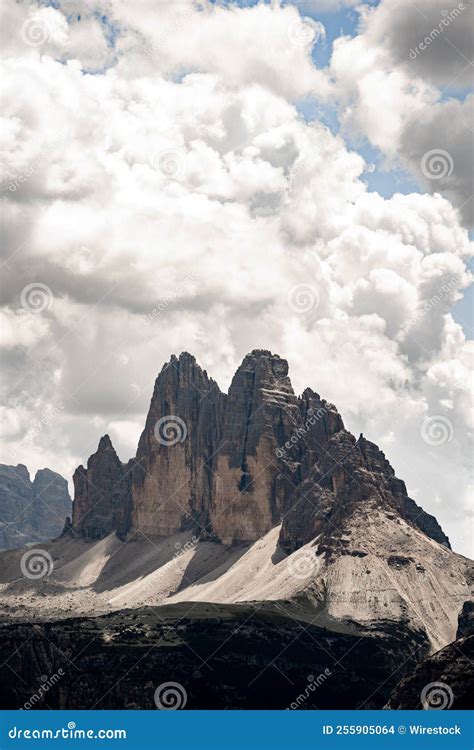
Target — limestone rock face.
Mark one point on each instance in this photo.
(251, 484)
(51, 504)
(226, 462)
(172, 479)
(350, 476)
(31, 511)
(233, 466)
(102, 496)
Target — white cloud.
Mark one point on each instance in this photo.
(395, 83)
(172, 201)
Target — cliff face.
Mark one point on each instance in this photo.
(350, 477)
(235, 465)
(102, 494)
(172, 479)
(31, 511)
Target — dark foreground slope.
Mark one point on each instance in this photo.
(222, 656)
(444, 680)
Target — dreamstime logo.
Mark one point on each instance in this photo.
(181, 549)
(180, 289)
(447, 18)
(436, 696)
(170, 696)
(437, 164)
(301, 432)
(33, 167)
(302, 298)
(445, 291)
(171, 162)
(36, 298)
(36, 31)
(312, 685)
(36, 563)
(302, 565)
(177, 24)
(437, 430)
(46, 684)
(170, 430)
(304, 32)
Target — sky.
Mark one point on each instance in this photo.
(218, 177)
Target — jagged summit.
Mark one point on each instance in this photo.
(105, 443)
(233, 465)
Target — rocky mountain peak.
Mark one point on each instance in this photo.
(105, 443)
(233, 466)
(31, 511)
(102, 494)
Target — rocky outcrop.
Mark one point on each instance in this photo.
(31, 511)
(172, 479)
(225, 463)
(349, 476)
(442, 681)
(234, 465)
(466, 620)
(102, 494)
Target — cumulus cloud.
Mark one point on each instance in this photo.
(397, 82)
(166, 195)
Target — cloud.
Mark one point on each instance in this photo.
(176, 199)
(434, 40)
(396, 82)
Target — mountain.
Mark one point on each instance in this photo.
(251, 534)
(232, 468)
(233, 465)
(31, 512)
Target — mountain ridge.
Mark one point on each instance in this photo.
(234, 464)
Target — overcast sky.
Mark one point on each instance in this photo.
(217, 178)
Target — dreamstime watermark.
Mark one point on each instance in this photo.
(171, 162)
(437, 430)
(313, 684)
(181, 549)
(448, 17)
(45, 420)
(173, 29)
(70, 732)
(36, 30)
(305, 32)
(36, 297)
(170, 430)
(302, 565)
(36, 563)
(428, 305)
(170, 696)
(170, 299)
(436, 164)
(18, 451)
(44, 157)
(302, 298)
(301, 432)
(436, 696)
(46, 684)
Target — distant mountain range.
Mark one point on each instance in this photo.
(31, 512)
(252, 541)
